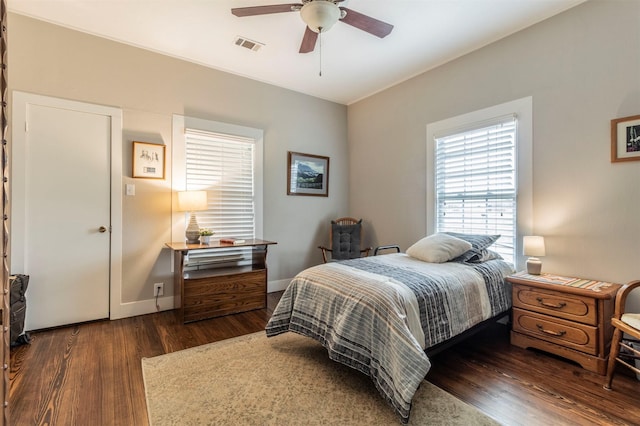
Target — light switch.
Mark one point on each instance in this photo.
(130, 189)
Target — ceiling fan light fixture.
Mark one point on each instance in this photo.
(320, 15)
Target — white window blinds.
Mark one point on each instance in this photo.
(476, 181)
(223, 165)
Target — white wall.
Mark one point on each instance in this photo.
(582, 69)
(50, 60)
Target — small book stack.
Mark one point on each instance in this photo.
(229, 240)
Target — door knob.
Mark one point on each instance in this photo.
(102, 229)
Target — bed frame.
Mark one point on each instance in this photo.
(436, 349)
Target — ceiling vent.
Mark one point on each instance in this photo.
(248, 44)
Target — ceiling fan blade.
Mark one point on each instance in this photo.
(308, 41)
(366, 23)
(264, 10)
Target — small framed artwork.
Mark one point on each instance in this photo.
(307, 174)
(148, 160)
(625, 139)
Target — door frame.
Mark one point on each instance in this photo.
(18, 190)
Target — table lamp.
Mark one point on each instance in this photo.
(533, 247)
(192, 201)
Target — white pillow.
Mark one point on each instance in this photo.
(438, 248)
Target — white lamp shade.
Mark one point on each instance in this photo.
(320, 15)
(533, 246)
(191, 201)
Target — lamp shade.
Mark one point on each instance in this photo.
(320, 15)
(191, 201)
(533, 246)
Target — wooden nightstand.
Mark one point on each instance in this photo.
(569, 317)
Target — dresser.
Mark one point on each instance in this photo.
(567, 316)
(219, 279)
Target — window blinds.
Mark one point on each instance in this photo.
(476, 182)
(223, 165)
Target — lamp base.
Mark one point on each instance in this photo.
(534, 266)
(193, 231)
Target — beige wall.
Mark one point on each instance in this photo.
(582, 69)
(50, 60)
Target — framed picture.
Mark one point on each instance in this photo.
(307, 174)
(625, 139)
(148, 160)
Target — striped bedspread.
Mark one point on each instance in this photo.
(378, 314)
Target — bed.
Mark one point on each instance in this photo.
(380, 315)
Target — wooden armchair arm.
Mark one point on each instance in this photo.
(324, 253)
(621, 297)
(325, 250)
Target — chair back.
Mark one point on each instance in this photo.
(345, 238)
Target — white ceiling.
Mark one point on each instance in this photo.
(355, 64)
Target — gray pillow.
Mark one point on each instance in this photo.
(485, 255)
(479, 242)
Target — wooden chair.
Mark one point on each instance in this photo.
(628, 323)
(345, 240)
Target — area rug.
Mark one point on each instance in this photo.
(283, 380)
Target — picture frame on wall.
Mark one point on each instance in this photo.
(307, 174)
(148, 160)
(625, 139)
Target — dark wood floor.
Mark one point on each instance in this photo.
(91, 374)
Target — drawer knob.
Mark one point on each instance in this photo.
(552, 333)
(551, 305)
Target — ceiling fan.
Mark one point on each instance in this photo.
(320, 16)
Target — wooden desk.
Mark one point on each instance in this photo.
(569, 317)
(219, 279)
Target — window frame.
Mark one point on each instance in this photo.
(180, 123)
(523, 110)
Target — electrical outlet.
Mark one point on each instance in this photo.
(158, 289)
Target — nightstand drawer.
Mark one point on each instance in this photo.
(211, 297)
(568, 306)
(569, 334)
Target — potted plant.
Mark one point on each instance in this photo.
(205, 235)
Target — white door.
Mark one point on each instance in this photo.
(61, 212)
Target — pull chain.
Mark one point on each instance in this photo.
(320, 37)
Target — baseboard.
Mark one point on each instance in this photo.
(277, 285)
(143, 307)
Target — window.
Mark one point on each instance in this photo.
(475, 180)
(226, 161)
(222, 165)
(479, 177)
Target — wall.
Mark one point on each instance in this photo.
(582, 69)
(149, 88)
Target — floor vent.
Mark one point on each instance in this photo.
(248, 44)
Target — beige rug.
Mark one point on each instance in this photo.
(283, 380)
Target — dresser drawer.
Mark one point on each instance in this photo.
(568, 306)
(581, 337)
